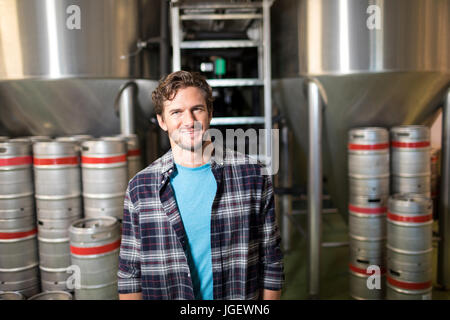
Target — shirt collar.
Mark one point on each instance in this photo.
(168, 164)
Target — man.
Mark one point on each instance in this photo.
(198, 224)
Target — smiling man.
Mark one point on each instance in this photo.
(198, 224)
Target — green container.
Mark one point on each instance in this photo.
(220, 67)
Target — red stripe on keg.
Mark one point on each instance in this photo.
(95, 250)
(379, 210)
(379, 146)
(115, 159)
(409, 285)
(16, 161)
(55, 161)
(417, 219)
(17, 235)
(363, 271)
(134, 153)
(421, 144)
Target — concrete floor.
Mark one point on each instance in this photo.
(334, 279)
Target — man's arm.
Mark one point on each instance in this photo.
(129, 274)
(131, 296)
(271, 257)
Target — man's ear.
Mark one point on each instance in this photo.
(161, 122)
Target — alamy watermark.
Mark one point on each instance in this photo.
(374, 280)
(259, 146)
(374, 20)
(73, 21)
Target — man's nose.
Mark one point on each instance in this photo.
(188, 119)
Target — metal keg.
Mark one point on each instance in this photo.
(18, 245)
(11, 295)
(54, 248)
(409, 223)
(367, 217)
(364, 285)
(410, 267)
(373, 187)
(54, 220)
(104, 176)
(395, 293)
(52, 295)
(368, 153)
(56, 170)
(15, 169)
(94, 245)
(134, 158)
(364, 253)
(24, 281)
(410, 151)
(418, 184)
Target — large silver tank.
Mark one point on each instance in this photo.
(394, 75)
(56, 79)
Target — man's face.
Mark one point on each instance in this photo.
(186, 119)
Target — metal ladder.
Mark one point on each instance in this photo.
(184, 10)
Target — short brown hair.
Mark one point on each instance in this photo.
(169, 86)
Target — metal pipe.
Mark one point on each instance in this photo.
(444, 205)
(267, 79)
(286, 199)
(175, 25)
(314, 188)
(164, 47)
(126, 104)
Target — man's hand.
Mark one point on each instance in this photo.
(131, 296)
(270, 294)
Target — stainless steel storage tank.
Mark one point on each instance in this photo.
(62, 64)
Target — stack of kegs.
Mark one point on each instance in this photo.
(368, 170)
(104, 176)
(58, 201)
(94, 246)
(409, 247)
(18, 234)
(410, 153)
(435, 180)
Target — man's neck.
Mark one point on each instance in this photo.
(192, 159)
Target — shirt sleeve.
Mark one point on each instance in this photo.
(129, 274)
(271, 255)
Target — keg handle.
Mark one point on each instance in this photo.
(2, 150)
(374, 200)
(394, 273)
(101, 235)
(403, 134)
(84, 148)
(362, 261)
(355, 136)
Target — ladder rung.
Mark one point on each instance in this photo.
(243, 16)
(230, 121)
(206, 44)
(235, 82)
(223, 5)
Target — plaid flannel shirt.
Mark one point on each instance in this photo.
(245, 241)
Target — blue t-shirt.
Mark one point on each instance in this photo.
(195, 189)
